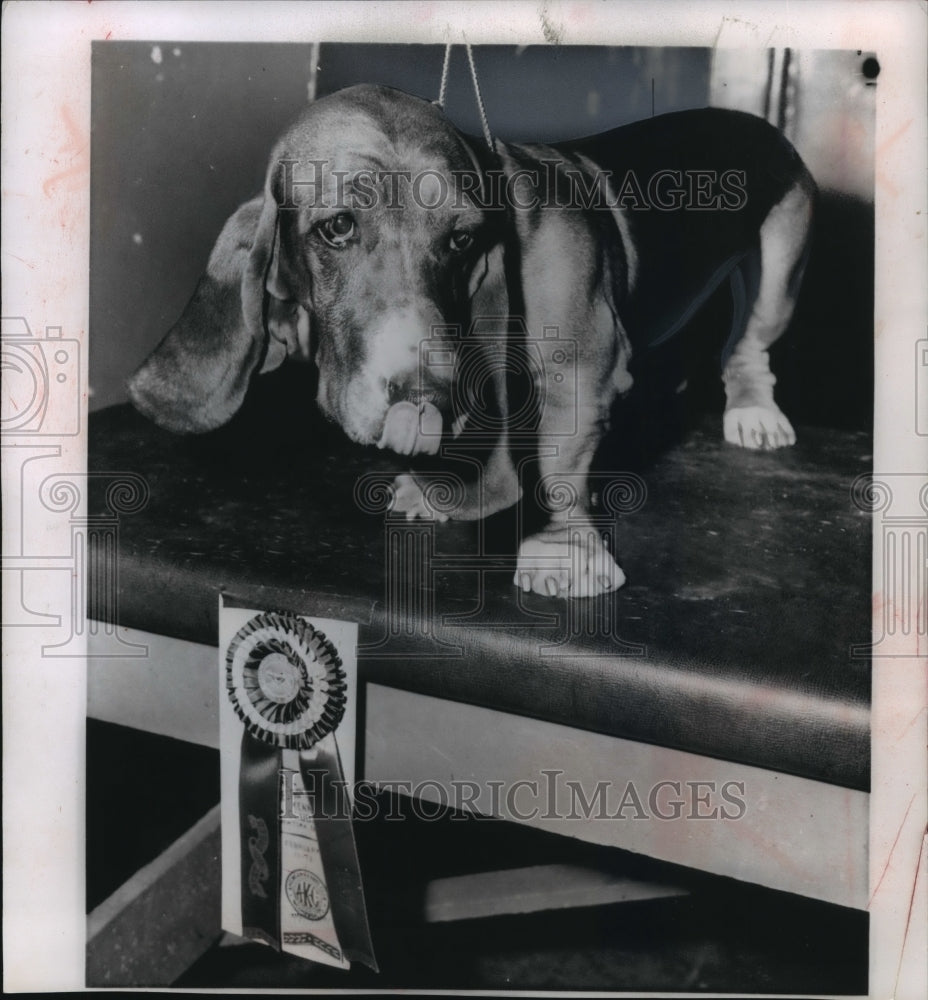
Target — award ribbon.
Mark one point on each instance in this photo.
(301, 882)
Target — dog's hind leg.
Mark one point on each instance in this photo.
(765, 285)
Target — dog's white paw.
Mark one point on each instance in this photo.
(409, 499)
(758, 427)
(567, 561)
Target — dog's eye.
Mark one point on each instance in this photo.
(339, 229)
(461, 241)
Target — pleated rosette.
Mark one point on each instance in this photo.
(285, 681)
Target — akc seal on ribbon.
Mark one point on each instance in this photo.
(290, 869)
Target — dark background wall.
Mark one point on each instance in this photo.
(181, 133)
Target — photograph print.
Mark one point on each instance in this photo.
(480, 449)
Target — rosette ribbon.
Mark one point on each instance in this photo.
(300, 881)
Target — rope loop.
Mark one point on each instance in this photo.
(443, 88)
(481, 107)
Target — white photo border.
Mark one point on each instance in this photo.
(46, 235)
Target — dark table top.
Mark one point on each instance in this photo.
(748, 582)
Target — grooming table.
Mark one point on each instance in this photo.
(725, 659)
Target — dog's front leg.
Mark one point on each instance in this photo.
(495, 488)
(568, 557)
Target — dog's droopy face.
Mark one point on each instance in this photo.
(382, 243)
(368, 240)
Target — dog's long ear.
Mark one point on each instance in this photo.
(287, 286)
(196, 378)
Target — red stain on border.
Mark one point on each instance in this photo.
(889, 857)
(76, 149)
(759, 840)
(29, 263)
(881, 177)
(908, 918)
(887, 142)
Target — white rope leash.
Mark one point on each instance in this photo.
(487, 134)
(481, 107)
(443, 88)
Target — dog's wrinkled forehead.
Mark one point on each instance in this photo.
(368, 138)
